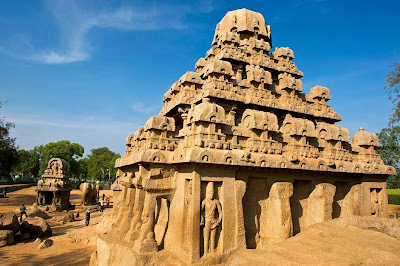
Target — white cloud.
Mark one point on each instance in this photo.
(91, 132)
(143, 108)
(80, 123)
(74, 23)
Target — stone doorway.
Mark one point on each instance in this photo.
(48, 198)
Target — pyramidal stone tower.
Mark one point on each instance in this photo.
(239, 157)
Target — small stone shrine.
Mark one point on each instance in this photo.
(239, 157)
(55, 185)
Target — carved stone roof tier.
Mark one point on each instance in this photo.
(245, 106)
(55, 177)
(160, 122)
(363, 138)
(242, 20)
(56, 168)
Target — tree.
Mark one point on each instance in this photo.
(83, 169)
(101, 163)
(389, 139)
(393, 87)
(27, 163)
(63, 149)
(8, 150)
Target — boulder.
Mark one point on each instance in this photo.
(36, 212)
(387, 226)
(9, 221)
(45, 244)
(36, 226)
(65, 218)
(6, 237)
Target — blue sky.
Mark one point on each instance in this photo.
(92, 72)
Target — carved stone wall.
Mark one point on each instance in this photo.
(239, 157)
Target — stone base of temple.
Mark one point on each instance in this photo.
(111, 251)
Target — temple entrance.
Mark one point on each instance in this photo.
(48, 197)
(254, 203)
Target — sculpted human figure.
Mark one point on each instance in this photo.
(210, 208)
(374, 202)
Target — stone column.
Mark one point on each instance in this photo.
(195, 219)
(354, 202)
(123, 204)
(240, 190)
(320, 204)
(176, 232)
(146, 241)
(136, 217)
(127, 214)
(278, 225)
(229, 216)
(383, 202)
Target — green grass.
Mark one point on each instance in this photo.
(393, 196)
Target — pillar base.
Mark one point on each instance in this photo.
(145, 246)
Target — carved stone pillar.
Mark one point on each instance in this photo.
(135, 221)
(278, 224)
(353, 202)
(127, 214)
(240, 190)
(123, 206)
(229, 215)
(146, 241)
(320, 204)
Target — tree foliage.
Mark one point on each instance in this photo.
(63, 149)
(27, 163)
(389, 150)
(393, 87)
(83, 168)
(8, 150)
(101, 163)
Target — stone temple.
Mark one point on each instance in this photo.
(55, 185)
(237, 158)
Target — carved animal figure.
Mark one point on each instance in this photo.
(89, 193)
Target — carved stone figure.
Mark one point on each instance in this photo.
(211, 208)
(242, 123)
(89, 193)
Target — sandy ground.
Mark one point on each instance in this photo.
(326, 244)
(63, 251)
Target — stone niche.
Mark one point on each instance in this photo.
(55, 187)
(238, 157)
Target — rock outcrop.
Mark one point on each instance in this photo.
(36, 227)
(6, 237)
(9, 221)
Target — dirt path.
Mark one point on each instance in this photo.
(63, 251)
